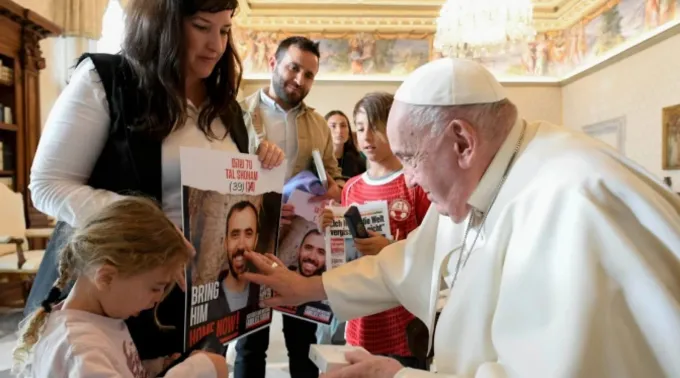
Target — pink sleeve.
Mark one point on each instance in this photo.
(422, 204)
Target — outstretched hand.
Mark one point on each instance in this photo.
(291, 288)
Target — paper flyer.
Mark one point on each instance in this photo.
(230, 204)
(302, 247)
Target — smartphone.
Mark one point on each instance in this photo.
(209, 343)
(355, 223)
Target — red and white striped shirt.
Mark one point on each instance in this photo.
(385, 333)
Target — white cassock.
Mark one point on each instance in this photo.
(576, 272)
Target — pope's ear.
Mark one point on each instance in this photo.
(464, 138)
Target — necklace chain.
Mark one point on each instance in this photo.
(460, 264)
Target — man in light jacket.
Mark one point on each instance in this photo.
(561, 255)
(278, 114)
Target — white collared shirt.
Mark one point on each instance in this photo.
(280, 127)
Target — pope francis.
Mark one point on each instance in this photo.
(560, 255)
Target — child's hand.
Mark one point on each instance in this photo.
(171, 359)
(219, 361)
(372, 245)
(325, 219)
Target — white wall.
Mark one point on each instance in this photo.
(637, 87)
(534, 101)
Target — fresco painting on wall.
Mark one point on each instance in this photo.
(552, 54)
(671, 137)
(557, 53)
(364, 54)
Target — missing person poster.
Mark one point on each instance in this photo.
(230, 204)
(339, 241)
(302, 247)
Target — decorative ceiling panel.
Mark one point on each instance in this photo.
(414, 16)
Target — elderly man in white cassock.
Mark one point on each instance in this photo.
(561, 256)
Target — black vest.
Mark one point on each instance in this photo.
(130, 163)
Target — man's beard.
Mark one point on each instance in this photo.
(232, 270)
(279, 87)
(318, 270)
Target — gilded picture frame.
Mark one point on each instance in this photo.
(670, 137)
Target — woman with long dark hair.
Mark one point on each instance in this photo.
(350, 160)
(117, 129)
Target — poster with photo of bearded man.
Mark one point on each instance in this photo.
(302, 247)
(230, 205)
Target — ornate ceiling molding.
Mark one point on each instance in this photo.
(404, 16)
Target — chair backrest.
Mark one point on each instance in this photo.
(12, 219)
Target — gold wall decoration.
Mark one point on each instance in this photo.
(670, 151)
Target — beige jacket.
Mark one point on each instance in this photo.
(312, 132)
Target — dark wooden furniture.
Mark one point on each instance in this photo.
(21, 31)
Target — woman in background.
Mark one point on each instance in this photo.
(349, 158)
(117, 128)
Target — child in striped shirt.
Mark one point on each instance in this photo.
(383, 333)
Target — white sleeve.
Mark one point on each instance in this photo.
(361, 287)
(73, 138)
(588, 289)
(196, 366)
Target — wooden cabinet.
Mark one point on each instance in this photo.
(20, 33)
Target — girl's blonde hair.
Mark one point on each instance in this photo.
(132, 234)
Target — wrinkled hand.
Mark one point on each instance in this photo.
(291, 288)
(372, 245)
(334, 192)
(287, 213)
(270, 155)
(364, 365)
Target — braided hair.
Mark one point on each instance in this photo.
(132, 234)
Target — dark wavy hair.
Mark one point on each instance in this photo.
(349, 146)
(154, 47)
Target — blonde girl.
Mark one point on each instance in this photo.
(124, 260)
